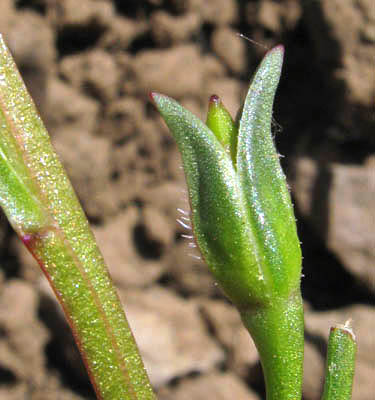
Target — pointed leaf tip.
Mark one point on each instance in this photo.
(153, 95)
(276, 52)
(275, 56)
(214, 101)
(222, 125)
(277, 49)
(263, 181)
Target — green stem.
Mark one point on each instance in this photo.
(339, 374)
(40, 203)
(277, 331)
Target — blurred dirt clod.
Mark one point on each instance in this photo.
(90, 65)
(177, 332)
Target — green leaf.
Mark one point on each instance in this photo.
(243, 221)
(218, 214)
(242, 217)
(263, 183)
(342, 348)
(222, 125)
(40, 203)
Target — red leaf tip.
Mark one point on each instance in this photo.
(151, 95)
(279, 48)
(214, 100)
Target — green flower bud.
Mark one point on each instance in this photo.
(242, 214)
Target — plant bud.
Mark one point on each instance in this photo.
(242, 214)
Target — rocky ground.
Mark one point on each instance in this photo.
(90, 65)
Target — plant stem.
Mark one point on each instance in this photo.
(41, 205)
(339, 373)
(277, 331)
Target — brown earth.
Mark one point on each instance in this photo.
(90, 65)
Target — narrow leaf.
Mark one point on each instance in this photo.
(342, 348)
(42, 207)
(218, 214)
(222, 125)
(263, 182)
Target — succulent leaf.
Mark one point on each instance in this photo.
(241, 209)
(218, 214)
(263, 182)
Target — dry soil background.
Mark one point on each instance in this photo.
(89, 65)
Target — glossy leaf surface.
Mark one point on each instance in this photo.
(40, 203)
